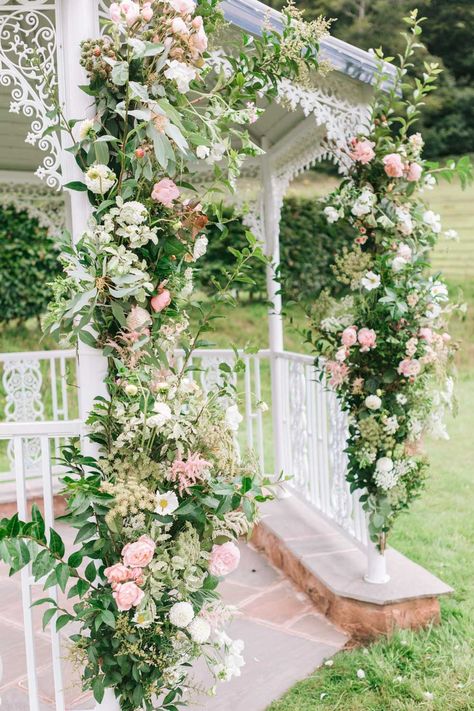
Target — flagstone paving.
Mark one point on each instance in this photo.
(285, 640)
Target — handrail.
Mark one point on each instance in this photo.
(52, 428)
(37, 355)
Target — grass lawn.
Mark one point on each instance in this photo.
(438, 533)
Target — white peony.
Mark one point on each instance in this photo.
(163, 414)
(331, 214)
(99, 179)
(200, 247)
(181, 73)
(200, 630)
(233, 418)
(181, 614)
(373, 402)
(202, 152)
(166, 503)
(370, 281)
(433, 220)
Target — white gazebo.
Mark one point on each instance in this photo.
(302, 128)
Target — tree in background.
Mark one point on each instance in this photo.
(448, 119)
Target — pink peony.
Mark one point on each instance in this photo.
(125, 11)
(393, 165)
(413, 172)
(161, 300)
(224, 559)
(184, 7)
(127, 595)
(116, 573)
(140, 553)
(426, 334)
(349, 336)
(366, 338)
(363, 151)
(147, 12)
(409, 367)
(165, 192)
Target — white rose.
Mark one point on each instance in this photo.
(384, 465)
(99, 179)
(373, 402)
(181, 614)
(233, 417)
(200, 630)
(181, 73)
(433, 220)
(370, 281)
(202, 152)
(398, 263)
(331, 214)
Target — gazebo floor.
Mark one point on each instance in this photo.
(286, 639)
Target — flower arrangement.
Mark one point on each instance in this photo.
(159, 509)
(384, 347)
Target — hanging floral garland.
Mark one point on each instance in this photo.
(159, 512)
(384, 347)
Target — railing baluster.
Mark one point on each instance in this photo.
(25, 580)
(248, 402)
(259, 418)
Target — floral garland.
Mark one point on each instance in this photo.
(384, 347)
(159, 512)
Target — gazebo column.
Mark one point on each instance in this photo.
(271, 227)
(77, 21)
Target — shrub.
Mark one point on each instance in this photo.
(307, 245)
(28, 262)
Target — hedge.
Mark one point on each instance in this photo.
(307, 249)
(28, 262)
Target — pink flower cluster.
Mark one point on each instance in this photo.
(409, 368)
(188, 473)
(395, 168)
(362, 150)
(127, 12)
(339, 372)
(126, 577)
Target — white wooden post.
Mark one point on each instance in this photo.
(271, 225)
(77, 21)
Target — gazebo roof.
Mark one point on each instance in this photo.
(302, 127)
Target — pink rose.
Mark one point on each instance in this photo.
(197, 22)
(426, 334)
(165, 192)
(147, 12)
(198, 41)
(140, 553)
(116, 573)
(125, 11)
(409, 367)
(161, 300)
(184, 7)
(363, 151)
(349, 336)
(413, 172)
(342, 354)
(393, 165)
(366, 338)
(127, 595)
(224, 559)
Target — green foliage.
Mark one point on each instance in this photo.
(308, 245)
(25, 250)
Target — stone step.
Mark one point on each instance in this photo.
(328, 565)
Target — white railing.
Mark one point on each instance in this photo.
(47, 433)
(313, 426)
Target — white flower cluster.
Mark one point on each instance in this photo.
(127, 222)
(364, 203)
